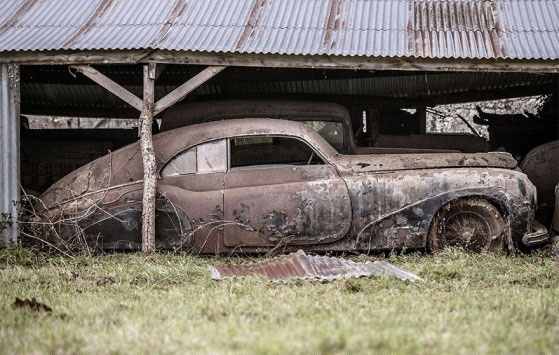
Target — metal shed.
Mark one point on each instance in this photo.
(435, 50)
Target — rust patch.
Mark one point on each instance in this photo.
(252, 21)
(20, 12)
(99, 12)
(302, 266)
(178, 9)
(475, 27)
(496, 35)
(333, 23)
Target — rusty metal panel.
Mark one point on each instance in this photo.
(518, 29)
(455, 29)
(9, 152)
(409, 86)
(307, 267)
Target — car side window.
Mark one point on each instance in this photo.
(205, 158)
(266, 150)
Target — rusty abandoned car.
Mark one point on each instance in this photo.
(254, 184)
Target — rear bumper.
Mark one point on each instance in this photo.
(539, 235)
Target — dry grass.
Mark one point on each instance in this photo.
(166, 303)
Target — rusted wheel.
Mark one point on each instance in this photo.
(473, 224)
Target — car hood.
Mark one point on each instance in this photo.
(392, 162)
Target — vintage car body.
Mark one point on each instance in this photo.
(326, 112)
(331, 202)
(541, 165)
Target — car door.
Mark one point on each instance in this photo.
(279, 190)
(191, 186)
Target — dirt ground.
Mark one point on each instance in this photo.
(166, 303)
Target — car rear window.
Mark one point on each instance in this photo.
(205, 158)
(332, 132)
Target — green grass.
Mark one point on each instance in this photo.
(166, 303)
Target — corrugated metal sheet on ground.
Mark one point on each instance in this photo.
(519, 29)
(302, 266)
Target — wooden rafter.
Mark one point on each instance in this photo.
(113, 87)
(164, 103)
(182, 91)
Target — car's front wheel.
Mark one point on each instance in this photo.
(473, 224)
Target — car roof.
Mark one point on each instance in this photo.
(198, 112)
(170, 143)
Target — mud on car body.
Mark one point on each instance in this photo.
(255, 184)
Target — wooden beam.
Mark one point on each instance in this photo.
(280, 61)
(110, 85)
(159, 70)
(148, 159)
(182, 91)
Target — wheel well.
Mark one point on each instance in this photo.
(495, 203)
(499, 206)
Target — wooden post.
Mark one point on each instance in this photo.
(374, 117)
(148, 159)
(422, 120)
(149, 109)
(556, 98)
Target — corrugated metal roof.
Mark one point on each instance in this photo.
(518, 29)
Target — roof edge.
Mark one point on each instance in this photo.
(279, 61)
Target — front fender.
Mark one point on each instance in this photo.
(396, 210)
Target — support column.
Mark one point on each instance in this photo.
(148, 158)
(9, 153)
(149, 109)
(422, 119)
(556, 97)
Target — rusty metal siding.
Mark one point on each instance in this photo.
(9, 152)
(518, 29)
(459, 29)
(410, 86)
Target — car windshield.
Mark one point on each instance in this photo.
(332, 132)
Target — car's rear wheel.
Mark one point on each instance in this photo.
(473, 224)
